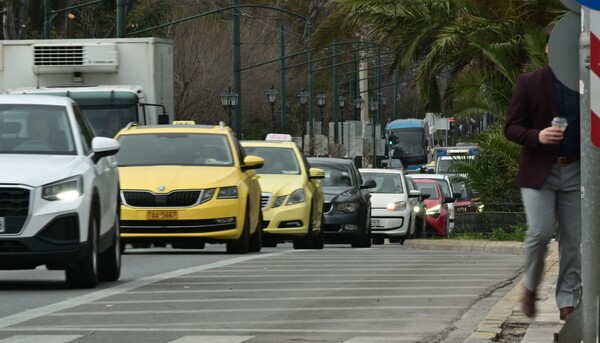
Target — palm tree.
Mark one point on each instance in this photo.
(445, 38)
(468, 54)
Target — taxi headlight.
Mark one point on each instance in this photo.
(396, 206)
(296, 197)
(278, 201)
(347, 206)
(228, 193)
(66, 189)
(207, 194)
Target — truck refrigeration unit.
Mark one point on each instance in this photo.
(120, 79)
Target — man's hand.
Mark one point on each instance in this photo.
(551, 135)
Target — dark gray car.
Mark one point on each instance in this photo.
(347, 202)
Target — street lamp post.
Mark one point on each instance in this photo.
(303, 98)
(321, 100)
(374, 106)
(272, 96)
(358, 105)
(229, 100)
(341, 103)
(383, 101)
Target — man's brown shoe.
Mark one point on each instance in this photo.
(565, 312)
(528, 303)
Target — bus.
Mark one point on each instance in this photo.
(408, 143)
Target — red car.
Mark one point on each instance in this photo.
(438, 218)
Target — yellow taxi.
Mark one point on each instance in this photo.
(187, 185)
(292, 196)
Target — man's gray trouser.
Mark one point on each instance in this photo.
(559, 199)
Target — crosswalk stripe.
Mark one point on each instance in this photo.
(40, 339)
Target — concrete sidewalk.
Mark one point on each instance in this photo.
(505, 321)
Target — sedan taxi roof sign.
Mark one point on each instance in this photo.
(279, 137)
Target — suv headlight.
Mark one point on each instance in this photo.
(296, 197)
(66, 189)
(347, 206)
(228, 193)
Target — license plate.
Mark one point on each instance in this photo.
(161, 215)
(375, 222)
(2, 225)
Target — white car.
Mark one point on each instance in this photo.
(447, 189)
(59, 191)
(392, 214)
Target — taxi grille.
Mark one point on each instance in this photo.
(14, 208)
(265, 200)
(173, 199)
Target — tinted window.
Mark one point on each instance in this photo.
(85, 131)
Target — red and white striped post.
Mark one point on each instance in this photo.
(595, 77)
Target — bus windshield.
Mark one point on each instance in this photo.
(411, 142)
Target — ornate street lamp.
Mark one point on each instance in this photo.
(358, 105)
(272, 96)
(383, 101)
(229, 100)
(341, 103)
(321, 100)
(374, 106)
(303, 98)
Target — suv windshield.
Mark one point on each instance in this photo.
(189, 149)
(35, 129)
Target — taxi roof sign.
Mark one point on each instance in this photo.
(279, 137)
(184, 122)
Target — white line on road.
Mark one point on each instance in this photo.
(87, 298)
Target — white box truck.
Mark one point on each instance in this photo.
(114, 81)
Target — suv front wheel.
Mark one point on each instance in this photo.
(85, 274)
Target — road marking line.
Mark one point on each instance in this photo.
(40, 339)
(87, 298)
(212, 339)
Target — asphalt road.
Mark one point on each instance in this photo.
(387, 293)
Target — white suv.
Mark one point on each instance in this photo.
(58, 191)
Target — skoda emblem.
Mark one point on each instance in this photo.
(161, 188)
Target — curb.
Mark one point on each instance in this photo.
(507, 309)
(501, 247)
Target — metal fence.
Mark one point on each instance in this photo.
(487, 221)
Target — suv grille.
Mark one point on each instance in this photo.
(173, 199)
(14, 207)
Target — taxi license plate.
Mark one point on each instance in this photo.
(375, 222)
(2, 224)
(161, 215)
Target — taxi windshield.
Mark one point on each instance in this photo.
(277, 160)
(186, 149)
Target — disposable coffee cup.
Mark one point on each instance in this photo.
(560, 122)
